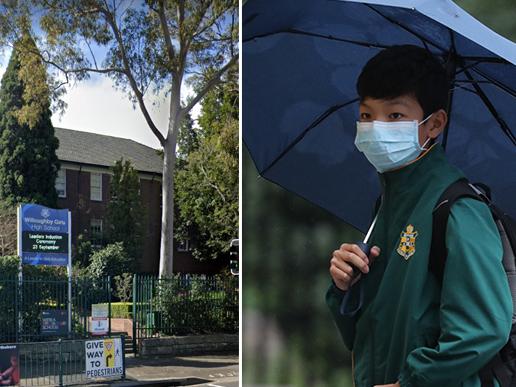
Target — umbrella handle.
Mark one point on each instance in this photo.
(344, 307)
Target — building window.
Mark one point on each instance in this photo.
(184, 245)
(96, 233)
(96, 186)
(61, 183)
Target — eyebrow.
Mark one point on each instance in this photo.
(395, 101)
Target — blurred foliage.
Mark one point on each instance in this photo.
(499, 15)
(287, 247)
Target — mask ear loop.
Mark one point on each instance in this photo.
(429, 138)
(426, 119)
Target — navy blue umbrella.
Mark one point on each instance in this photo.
(301, 59)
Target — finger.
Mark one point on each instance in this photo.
(339, 276)
(340, 264)
(352, 259)
(353, 248)
(358, 251)
(375, 252)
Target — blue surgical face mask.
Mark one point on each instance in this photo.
(389, 145)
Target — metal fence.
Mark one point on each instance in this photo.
(25, 303)
(160, 307)
(183, 305)
(54, 363)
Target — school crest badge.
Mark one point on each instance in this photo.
(407, 246)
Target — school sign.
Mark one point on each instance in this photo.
(44, 235)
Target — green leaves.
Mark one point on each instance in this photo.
(125, 209)
(28, 161)
(207, 182)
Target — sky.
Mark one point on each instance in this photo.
(96, 106)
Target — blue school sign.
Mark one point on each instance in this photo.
(43, 235)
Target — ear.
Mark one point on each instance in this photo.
(436, 123)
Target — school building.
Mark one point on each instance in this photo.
(83, 186)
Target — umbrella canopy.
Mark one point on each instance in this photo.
(301, 59)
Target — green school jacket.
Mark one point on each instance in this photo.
(410, 328)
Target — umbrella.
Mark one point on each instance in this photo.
(301, 59)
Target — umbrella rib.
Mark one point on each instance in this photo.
(316, 35)
(505, 88)
(420, 37)
(317, 121)
(486, 59)
(491, 108)
(451, 70)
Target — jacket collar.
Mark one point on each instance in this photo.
(413, 173)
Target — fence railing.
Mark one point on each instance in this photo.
(52, 363)
(28, 303)
(160, 307)
(184, 305)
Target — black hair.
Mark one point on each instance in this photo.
(406, 70)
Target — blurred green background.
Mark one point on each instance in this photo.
(288, 334)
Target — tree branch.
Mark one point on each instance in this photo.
(166, 34)
(212, 184)
(139, 95)
(215, 80)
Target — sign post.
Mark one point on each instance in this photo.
(44, 238)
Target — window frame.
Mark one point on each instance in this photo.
(92, 187)
(63, 171)
(96, 236)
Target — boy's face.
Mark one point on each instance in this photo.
(403, 108)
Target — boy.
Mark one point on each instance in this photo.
(413, 331)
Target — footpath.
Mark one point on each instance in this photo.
(213, 370)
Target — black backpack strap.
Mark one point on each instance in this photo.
(441, 212)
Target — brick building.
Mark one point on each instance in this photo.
(83, 186)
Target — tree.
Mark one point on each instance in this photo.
(125, 209)
(8, 232)
(207, 186)
(111, 260)
(187, 141)
(155, 45)
(28, 161)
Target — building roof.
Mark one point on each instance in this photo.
(101, 150)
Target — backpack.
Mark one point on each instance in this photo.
(503, 365)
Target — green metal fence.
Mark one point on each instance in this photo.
(180, 305)
(183, 305)
(25, 303)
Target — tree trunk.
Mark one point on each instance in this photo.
(166, 262)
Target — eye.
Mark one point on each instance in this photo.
(395, 116)
(365, 116)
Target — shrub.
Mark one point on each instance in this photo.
(124, 286)
(111, 260)
(121, 309)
